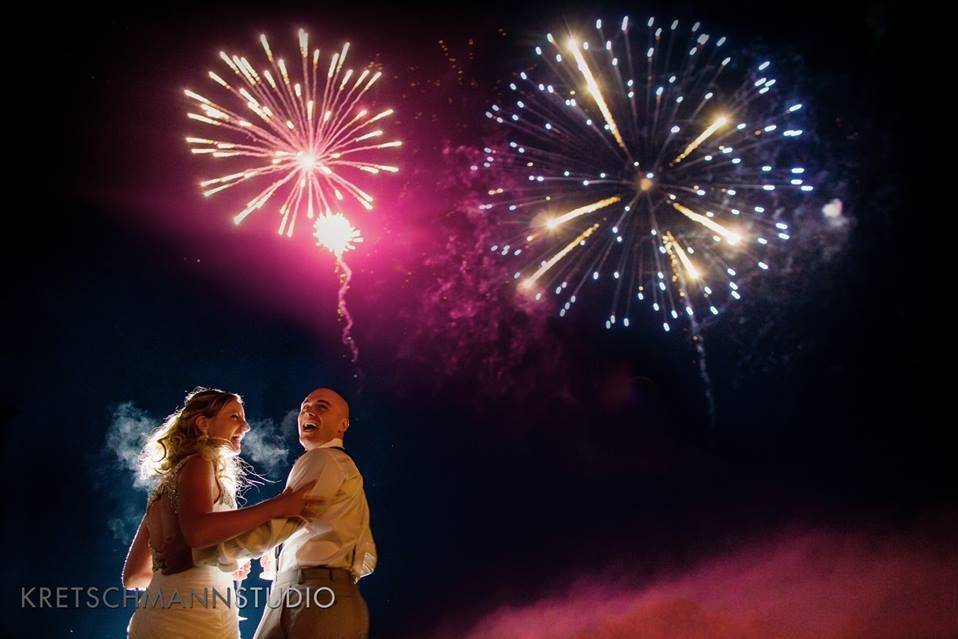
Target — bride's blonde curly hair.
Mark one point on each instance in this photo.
(178, 437)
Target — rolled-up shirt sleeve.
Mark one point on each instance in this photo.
(367, 554)
(319, 464)
(228, 555)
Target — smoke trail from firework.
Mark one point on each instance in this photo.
(335, 234)
(345, 275)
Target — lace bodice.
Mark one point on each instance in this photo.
(174, 555)
(169, 485)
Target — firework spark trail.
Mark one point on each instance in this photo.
(699, 341)
(582, 210)
(345, 275)
(685, 270)
(596, 93)
(706, 134)
(578, 241)
(335, 234)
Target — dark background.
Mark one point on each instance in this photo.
(479, 495)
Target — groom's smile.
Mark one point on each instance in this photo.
(323, 416)
(310, 418)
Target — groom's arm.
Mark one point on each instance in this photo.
(318, 464)
(367, 551)
(256, 542)
(229, 554)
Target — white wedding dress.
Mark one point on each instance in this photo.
(190, 603)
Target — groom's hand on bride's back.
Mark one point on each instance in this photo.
(297, 503)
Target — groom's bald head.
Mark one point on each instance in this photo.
(323, 415)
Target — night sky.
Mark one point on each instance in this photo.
(506, 455)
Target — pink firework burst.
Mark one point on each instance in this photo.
(305, 139)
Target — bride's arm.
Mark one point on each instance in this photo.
(202, 527)
(138, 567)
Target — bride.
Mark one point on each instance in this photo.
(193, 457)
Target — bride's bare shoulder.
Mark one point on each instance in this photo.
(195, 468)
(197, 478)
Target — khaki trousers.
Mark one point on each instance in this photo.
(314, 603)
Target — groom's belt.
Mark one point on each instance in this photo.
(312, 573)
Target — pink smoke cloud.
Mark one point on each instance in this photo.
(464, 316)
(812, 586)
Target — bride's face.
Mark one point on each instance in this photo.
(229, 424)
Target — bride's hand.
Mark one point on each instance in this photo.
(242, 572)
(296, 503)
(267, 562)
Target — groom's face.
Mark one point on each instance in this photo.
(323, 415)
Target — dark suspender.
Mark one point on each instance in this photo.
(342, 449)
(352, 559)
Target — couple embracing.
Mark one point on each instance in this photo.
(314, 537)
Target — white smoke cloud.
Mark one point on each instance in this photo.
(126, 437)
(834, 214)
(266, 445)
(124, 525)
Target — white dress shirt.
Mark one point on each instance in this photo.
(339, 537)
(232, 553)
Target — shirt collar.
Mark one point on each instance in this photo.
(334, 442)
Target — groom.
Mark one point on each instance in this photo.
(324, 559)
